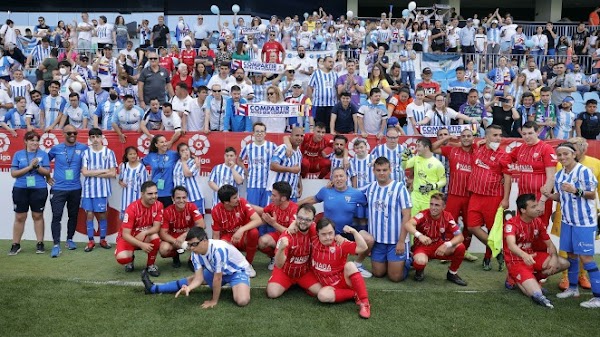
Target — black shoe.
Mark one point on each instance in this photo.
(16, 249)
(176, 262)
(500, 259)
(487, 265)
(39, 248)
(129, 267)
(419, 275)
(543, 301)
(146, 281)
(454, 278)
(153, 270)
(191, 266)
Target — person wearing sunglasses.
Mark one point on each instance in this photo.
(66, 186)
(154, 81)
(273, 47)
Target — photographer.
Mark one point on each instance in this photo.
(504, 114)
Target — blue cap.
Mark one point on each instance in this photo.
(568, 99)
(392, 121)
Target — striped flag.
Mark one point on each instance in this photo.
(446, 63)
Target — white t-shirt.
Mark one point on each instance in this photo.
(372, 115)
(181, 106)
(532, 75)
(509, 31)
(171, 123)
(224, 83)
(4, 99)
(130, 53)
(104, 33)
(195, 117)
(85, 35)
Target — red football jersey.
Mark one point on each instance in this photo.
(430, 88)
(187, 57)
(488, 171)
(139, 218)
(167, 63)
(225, 221)
(328, 261)
(461, 167)
(177, 222)
(297, 253)
(442, 229)
(531, 162)
(312, 149)
(526, 234)
(283, 217)
(272, 47)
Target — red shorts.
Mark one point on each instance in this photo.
(521, 272)
(482, 210)
(315, 165)
(124, 245)
(305, 281)
(458, 206)
(274, 235)
(241, 245)
(430, 251)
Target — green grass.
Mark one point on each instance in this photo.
(71, 296)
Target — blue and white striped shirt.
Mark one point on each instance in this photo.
(106, 111)
(324, 89)
(577, 211)
(259, 159)
(222, 175)
(493, 35)
(190, 183)
(134, 177)
(408, 65)
(280, 158)
(96, 187)
(385, 210)
(15, 119)
(395, 158)
(221, 257)
(362, 170)
(39, 53)
(21, 88)
(77, 115)
(52, 108)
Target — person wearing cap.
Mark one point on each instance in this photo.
(393, 123)
(493, 39)
(107, 67)
(344, 116)
(431, 87)
(84, 69)
(565, 121)
(298, 97)
(284, 80)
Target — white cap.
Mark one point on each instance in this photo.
(297, 83)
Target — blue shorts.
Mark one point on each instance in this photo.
(257, 196)
(239, 277)
(200, 206)
(382, 253)
(96, 205)
(577, 240)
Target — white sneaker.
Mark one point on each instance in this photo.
(593, 303)
(250, 271)
(569, 292)
(271, 264)
(365, 273)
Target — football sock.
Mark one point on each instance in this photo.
(592, 269)
(457, 258)
(103, 224)
(125, 260)
(170, 287)
(153, 252)
(343, 295)
(467, 235)
(269, 251)
(251, 244)
(573, 273)
(537, 294)
(90, 229)
(488, 253)
(418, 266)
(358, 284)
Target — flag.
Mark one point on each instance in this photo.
(446, 63)
(26, 44)
(496, 234)
(242, 110)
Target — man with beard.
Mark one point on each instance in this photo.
(33, 110)
(245, 87)
(304, 66)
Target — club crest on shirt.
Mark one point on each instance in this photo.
(442, 230)
(508, 228)
(535, 155)
(187, 218)
(153, 214)
(332, 249)
(237, 214)
(347, 198)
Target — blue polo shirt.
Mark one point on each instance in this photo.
(342, 206)
(21, 159)
(67, 166)
(162, 166)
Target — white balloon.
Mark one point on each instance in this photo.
(214, 9)
(349, 14)
(412, 6)
(181, 25)
(305, 15)
(262, 28)
(235, 9)
(314, 13)
(76, 86)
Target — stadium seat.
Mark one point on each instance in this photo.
(577, 97)
(578, 107)
(590, 95)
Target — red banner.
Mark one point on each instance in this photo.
(209, 147)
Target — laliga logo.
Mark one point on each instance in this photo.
(143, 144)
(351, 146)
(104, 141)
(411, 143)
(245, 141)
(512, 146)
(47, 141)
(199, 145)
(4, 144)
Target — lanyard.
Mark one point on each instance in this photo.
(28, 161)
(70, 160)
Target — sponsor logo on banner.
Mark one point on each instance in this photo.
(454, 130)
(271, 110)
(411, 143)
(351, 146)
(260, 67)
(4, 145)
(250, 30)
(47, 141)
(143, 144)
(199, 145)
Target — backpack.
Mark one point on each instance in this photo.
(590, 129)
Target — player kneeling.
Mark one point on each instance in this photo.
(432, 228)
(524, 265)
(340, 279)
(292, 256)
(216, 262)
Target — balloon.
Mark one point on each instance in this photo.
(349, 14)
(305, 15)
(362, 23)
(315, 14)
(412, 6)
(529, 43)
(181, 25)
(262, 28)
(235, 9)
(214, 9)
(76, 86)
(405, 13)
(319, 39)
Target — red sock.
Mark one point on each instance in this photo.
(488, 253)
(358, 283)
(418, 266)
(269, 251)
(343, 295)
(125, 260)
(457, 258)
(154, 252)
(251, 244)
(467, 235)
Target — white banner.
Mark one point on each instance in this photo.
(275, 110)
(250, 31)
(260, 67)
(454, 130)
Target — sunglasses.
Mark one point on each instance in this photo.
(270, 93)
(216, 90)
(153, 58)
(71, 133)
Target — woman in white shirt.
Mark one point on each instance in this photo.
(441, 115)
(423, 36)
(274, 124)
(540, 46)
(416, 111)
(517, 88)
(480, 41)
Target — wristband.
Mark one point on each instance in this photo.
(448, 244)
(579, 192)
(417, 234)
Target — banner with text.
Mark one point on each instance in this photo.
(454, 130)
(271, 110)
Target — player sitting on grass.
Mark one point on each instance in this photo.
(216, 262)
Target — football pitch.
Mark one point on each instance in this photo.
(89, 294)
